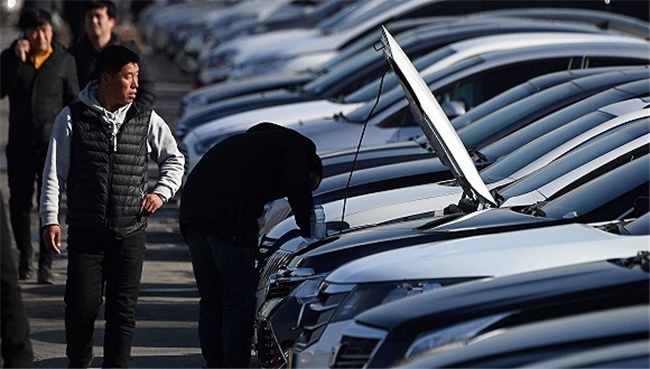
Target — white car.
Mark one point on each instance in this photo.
(366, 282)
(477, 64)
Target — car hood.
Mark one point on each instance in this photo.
(476, 298)
(332, 252)
(507, 253)
(434, 123)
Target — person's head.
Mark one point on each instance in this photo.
(100, 19)
(117, 74)
(316, 173)
(36, 25)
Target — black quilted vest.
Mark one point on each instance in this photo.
(105, 187)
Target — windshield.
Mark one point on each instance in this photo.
(360, 16)
(502, 119)
(599, 146)
(344, 70)
(515, 161)
(394, 95)
(335, 19)
(559, 118)
(608, 197)
(369, 92)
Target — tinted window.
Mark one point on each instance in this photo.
(539, 146)
(578, 157)
(610, 196)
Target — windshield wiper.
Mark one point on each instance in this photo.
(498, 197)
(642, 259)
(535, 209)
(476, 155)
(341, 117)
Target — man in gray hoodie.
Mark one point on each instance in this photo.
(99, 152)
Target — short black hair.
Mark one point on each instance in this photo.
(113, 58)
(111, 9)
(34, 17)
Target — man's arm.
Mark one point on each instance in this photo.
(55, 173)
(164, 151)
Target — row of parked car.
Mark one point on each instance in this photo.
(486, 174)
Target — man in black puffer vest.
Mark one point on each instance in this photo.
(99, 149)
(223, 198)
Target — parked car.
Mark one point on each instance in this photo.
(369, 204)
(535, 342)
(399, 152)
(288, 15)
(317, 339)
(277, 53)
(426, 118)
(618, 355)
(334, 82)
(379, 337)
(487, 137)
(414, 263)
(569, 19)
(556, 178)
(473, 80)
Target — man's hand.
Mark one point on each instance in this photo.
(52, 237)
(150, 204)
(22, 49)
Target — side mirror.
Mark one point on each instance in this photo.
(453, 109)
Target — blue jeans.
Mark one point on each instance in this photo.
(95, 260)
(225, 277)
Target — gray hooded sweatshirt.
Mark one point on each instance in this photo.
(161, 146)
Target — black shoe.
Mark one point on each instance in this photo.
(45, 278)
(24, 274)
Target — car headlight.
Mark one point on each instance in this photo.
(453, 334)
(307, 291)
(367, 296)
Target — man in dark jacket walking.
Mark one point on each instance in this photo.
(100, 19)
(40, 78)
(222, 201)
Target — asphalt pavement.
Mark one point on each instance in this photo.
(166, 332)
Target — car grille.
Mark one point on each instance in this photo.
(279, 259)
(354, 352)
(269, 351)
(316, 316)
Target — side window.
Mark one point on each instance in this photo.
(594, 62)
(475, 89)
(478, 88)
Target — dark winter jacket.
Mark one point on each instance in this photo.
(225, 193)
(86, 57)
(36, 95)
(106, 185)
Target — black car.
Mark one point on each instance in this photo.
(535, 342)
(410, 326)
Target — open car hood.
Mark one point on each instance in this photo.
(434, 123)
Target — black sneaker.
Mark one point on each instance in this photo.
(45, 278)
(24, 274)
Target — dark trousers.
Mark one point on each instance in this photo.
(24, 170)
(225, 277)
(15, 345)
(94, 261)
